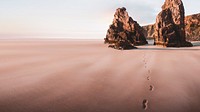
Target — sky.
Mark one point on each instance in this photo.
(74, 19)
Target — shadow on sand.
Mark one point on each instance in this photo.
(169, 49)
(150, 46)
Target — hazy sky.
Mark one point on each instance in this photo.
(73, 18)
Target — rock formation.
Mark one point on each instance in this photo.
(149, 31)
(192, 27)
(170, 27)
(124, 32)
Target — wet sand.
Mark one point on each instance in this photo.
(86, 76)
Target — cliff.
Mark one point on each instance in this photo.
(192, 27)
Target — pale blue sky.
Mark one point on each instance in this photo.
(73, 18)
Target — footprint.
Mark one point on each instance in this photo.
(148, 78)
(151, 87)
(145, 104)
(149, 71)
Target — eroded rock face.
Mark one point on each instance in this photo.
(124, 32)
(149, 31)
(192, 27)
(170, 26)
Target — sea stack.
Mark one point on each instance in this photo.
(170, 26)
(124, 32)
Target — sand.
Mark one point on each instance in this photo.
(87, 76)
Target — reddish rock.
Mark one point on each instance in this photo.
(170, 26)
(149, 31)
(124, 32)
(192, 27)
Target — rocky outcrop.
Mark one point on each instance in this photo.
(192, 27)
(170, 25)
(124, 32)
(149, 31)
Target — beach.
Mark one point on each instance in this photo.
(87, 76)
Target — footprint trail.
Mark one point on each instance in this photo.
(146, 59)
